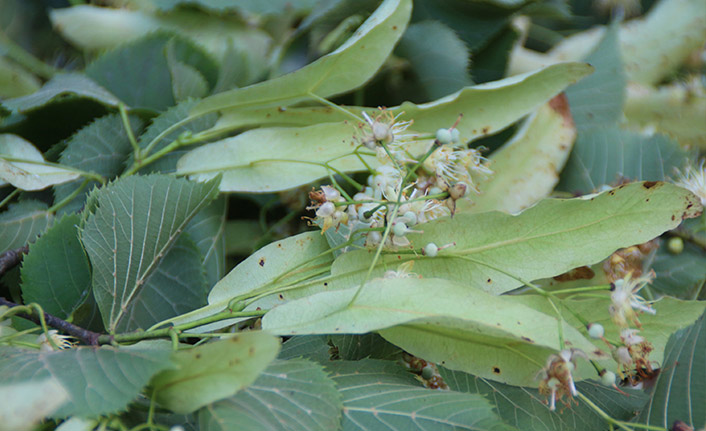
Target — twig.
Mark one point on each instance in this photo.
(88, 337)
(11, 258)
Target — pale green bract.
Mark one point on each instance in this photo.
(440, 320)
(345, 69)
(23, 166)
(497, 252)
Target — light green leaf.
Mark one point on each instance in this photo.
(214, 371)
(160, 124)
(176, 286)
(381, 395)
(438, 320)
(314, 347)
(679, 393)
(345, 69)
(527, 410)
(100, 147)
(494, 251)
(438, 58)
(207, 229)
(74, 84)
(22, 223)
(283, 262)
(23, 405)
(56, 273)
(76, 423)
(274, 159)
(527, 167)
(653, 47)
(484, 107)
(23, 166)
(605, 156)
(16, 81)
(98, 381)
(136, 222)
(672, 314)
(676, 110)
(294, 395)
(597, 101)
(99, 28)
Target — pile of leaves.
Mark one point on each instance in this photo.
(293, 215)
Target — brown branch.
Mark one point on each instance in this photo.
(88, 337)
(11, 258)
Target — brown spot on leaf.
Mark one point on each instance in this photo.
(496, 370)
(560, 104)
(394, 27)
(489, 281)
(649, 184)
(251, 350)
(261, 262)
(485, 129)
(529, 340)
(197, 356)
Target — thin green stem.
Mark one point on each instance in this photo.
(9, 197)
(627, 426)
(334, 106)
(174, 335)
(43, 322)
(20, 56)
(62, 203)
(165, 332)
(582, 289)
(128, 130)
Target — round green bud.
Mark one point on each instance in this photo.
(427, 373)
(431, 250)
(399, 228)
(596, 330)
(675, 245)
(411, 218)
(455, 136)
(608, 379)
(444, 136)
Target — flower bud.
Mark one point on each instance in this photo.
(444, 136)
(431, 250)
(675, 245)
(595, 330)
(608, 379)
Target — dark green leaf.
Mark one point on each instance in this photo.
(100, 147)
(207, 229)
(293, 395)
(133, 223)
(56, 273)
(187, 81)
(680, 391)
(597, 101)
(66, 84)
(176, 286)
(680, 275)
(381, 395)
(257, 7)
(314, 347)
(490, 63)
(352, 347)
(139, 73)
(173, 115)
(439, 59)
(527, 410)
(98, 381)
(22, 223)
(605, 156)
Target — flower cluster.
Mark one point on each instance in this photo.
(557, 380)
(416, 179)
(61, 341)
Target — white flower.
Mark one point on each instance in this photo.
(62, 341)
(694, 180)
(629, 337)
(624, 300)
(557, 379)
(403, 271)
(452, 165)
